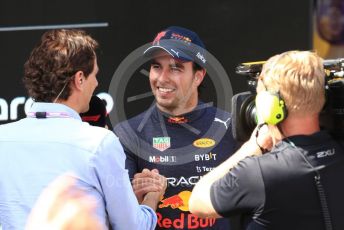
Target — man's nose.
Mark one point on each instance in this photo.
(164, 76)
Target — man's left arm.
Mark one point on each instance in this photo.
(200, 200)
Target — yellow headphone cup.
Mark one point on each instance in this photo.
(270, 108)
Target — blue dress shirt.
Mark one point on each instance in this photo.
(34, 151)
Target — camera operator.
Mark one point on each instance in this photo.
(294, 184)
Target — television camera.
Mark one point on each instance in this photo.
(331, 117)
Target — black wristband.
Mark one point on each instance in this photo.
(257, 133)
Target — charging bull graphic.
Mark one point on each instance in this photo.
(181, 201)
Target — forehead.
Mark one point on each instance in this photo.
(162, 56)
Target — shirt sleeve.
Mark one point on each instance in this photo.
(240, 191)
(123, 209)
(129, 144)
(131, 163)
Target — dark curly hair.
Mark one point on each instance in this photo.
(55, 60)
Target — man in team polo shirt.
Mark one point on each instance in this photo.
(179, 135)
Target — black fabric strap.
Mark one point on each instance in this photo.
(320, 189)
(257, 133)
(41, 115)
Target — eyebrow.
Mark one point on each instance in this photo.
(176, 64)
(154, 63)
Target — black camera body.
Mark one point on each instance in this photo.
(331, 116)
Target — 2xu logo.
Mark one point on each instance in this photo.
(326, 153)
(9, 111)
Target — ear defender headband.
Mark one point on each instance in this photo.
(270, 108)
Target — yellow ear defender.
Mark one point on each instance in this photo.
(270, 108)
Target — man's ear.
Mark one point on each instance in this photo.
(79, 80)
(199, 76)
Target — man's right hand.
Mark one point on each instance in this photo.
(149, 184)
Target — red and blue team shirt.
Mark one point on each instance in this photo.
(183, 149)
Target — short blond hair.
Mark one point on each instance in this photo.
(299, 77)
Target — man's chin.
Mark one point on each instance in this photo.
(84, 110)
(167, 105)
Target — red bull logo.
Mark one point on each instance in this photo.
(185, 220)
(173, 201)
(158, 37)
(177, 120)
(188, 220)
(180, 201)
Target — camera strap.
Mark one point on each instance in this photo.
(320, 190)
(323, 201)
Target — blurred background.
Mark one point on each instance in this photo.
(233, 32)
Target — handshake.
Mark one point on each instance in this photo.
(149, 187)
(63, 205)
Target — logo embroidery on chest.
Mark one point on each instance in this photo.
(161, 143)
(204, 143)
(177, 120)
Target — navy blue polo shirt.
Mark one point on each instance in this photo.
(183, 149)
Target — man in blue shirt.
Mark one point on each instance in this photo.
(60, 75)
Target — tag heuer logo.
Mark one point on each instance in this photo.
(161, 143)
